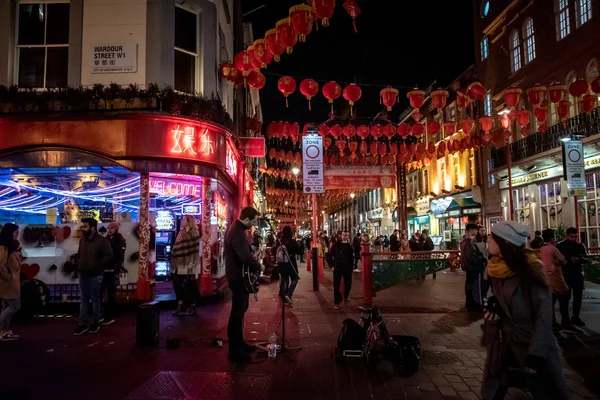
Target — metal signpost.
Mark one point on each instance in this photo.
(312, 182)
(574, 169)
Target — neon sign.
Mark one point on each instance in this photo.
(166, 187)
(165, 221)
(185, 141)
(192, 209)
(231, 162)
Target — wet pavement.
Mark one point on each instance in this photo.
(50, 363)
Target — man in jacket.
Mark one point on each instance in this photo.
(472, 262)
(342, 257)
(95, 256)
(357, 250)
(427, 242)
(575, 253)
(237, 255)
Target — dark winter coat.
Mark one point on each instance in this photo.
(237, 252)
(118, 245)
(471, 258)
(342, 256)
(394, 243)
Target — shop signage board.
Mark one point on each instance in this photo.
(471, 211)
(360, 177)
(173, 187)
(312, 164)
(114, 58)
(254, 146)
(191, 209)
(231, 164)
(422, 205)
(574, 165)
(51, 215)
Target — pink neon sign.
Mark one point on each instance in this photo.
(187, 141)
(168, 187)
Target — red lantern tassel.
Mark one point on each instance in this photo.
(309, 108)
(286, 102)
(354, 24)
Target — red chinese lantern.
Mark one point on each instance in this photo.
(451, 221)
(416, 98)
(302, 17)
(543, 128)
(382, 149)
(327, 142)
(596, 85)
(486, 138)
(323, 10)
(393, 148)
(439, 98)
(352, 94)
(525, 131)
(467, 125)
(523, 117)
(433, 128)
(536, 94)
(272, 153)
(341, 145)
(417, 129)
(588, 103)
(401, 158)
(309, 88)
(225, 70)
(286, 35)
(388, 97)
(253, 60)
(403, 130)
(449, 128)
(462, 98)
(557, 93)
(563, 109)
(331, 91)
(507, 135)
(579, 88)
(363, 147)
(261, 53)
(403, 149)
(349, 131)
(431, 148)
(412, 148)
(441, 147)
(323, 130)
(486, 123)
(416, 115)
(353, 10)
(373, 147)
(476, 91)
(242, 63)
(541, 113)
(376, 131)
(389, 131)
(512, 97)
(256, 80)
(287, 86)
(505, 121)
(275, 48)
(363, 131)
(336, 131)
(352, 145)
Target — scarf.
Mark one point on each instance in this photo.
(498, 269)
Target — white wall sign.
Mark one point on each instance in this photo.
(312, 164)
(114, 58)
(574, 167)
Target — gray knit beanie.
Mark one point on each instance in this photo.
(512, 232)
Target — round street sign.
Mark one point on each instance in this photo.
(574, 155)
(312, 151)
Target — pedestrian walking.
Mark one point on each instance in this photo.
(94, 257)
(185, 264)
(473, 263)
(342, 256)
(538, 241)
(10, 279)
(286, 250)
(575, 254)
(517, 323)
(356, 246)
(238, 255)
(117, 244)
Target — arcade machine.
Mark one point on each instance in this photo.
(166, 230)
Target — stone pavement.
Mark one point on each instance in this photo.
(49, 363)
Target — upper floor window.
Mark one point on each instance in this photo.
(583, 11)
(563, 21)
(484, 48)
(487, 104)
(515, 51)
(186, 50)
(591, 70)
(43, 45)
(529, 40)
(485, 8)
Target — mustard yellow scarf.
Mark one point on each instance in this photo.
(498, 269)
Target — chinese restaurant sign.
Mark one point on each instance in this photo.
(192, 209)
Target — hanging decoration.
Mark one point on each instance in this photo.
(331, 91)
(256, 64)
(256, 80)
(439, 98)
(486, 123)
(274, 47)
(353, 10)
(287, 86)
(433, 128)
(243, 64)
(376, 131)
(336, 131)
(349, 131)
(512, 97)
(286, 35)
(462, 98)
(536, 94)
(563, 109)
(389, 95)
(557, 93)
(467, 125)
(389, 131)
(417, 129)
(476, 91)
(579, 88)
(309, 88)
(403, 130)
(323, 10)
(449, 128)
(261, 53)
(596, 85)
(363, 132)
(352, 94)
(416, 98)
(588, 102)
(302, 17)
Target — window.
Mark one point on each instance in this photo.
(583, 11)
(491, 176)
(521, 205)
(485, 8)
(186, 50)
(588, 215)
(563, 22)
(529, 40)
(43, 45)
(550, 205)
(484, 48)
(515, 51)
(487, 103)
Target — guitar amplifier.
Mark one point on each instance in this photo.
(147, 324)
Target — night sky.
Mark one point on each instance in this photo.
(393, 46)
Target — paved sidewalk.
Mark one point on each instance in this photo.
(49, 363)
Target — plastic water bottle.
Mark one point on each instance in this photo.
(272, 345)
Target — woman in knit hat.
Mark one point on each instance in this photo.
(521, 349)
(185, 263)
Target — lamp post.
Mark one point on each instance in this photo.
(352, 214)
(296, 171)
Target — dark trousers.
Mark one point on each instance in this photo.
(469, 283)
(110, 288)
(186, 289)
(356, 259)
(338, 275)
(563, 302)
(575, 281)
(289, 281)
(239, 306)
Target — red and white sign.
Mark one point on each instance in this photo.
(359, 177)
(231, 163)
(254, 146)
(220, 210)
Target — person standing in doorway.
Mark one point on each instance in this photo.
(118, 245)
(473, 263)
(342, 256)
(185, 264)
(237, 256)
(10, 280)
(575, 254)
(95, 256)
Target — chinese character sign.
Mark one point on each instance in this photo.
(187, 141)
(231, 162)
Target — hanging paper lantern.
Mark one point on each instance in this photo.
(373, 159)
(261, 53)
(416, 98)
(285, 130)
(536, 94)
(336, 131)
(441, 147)
(274, 47)
(242, 63)
(327, 142)
(302, 17)
(486, 138)
(512, 97)
(376, 131)
(542, 128)
(331, 91)
(431, 148)
(389, 131)
(596, 85)
(403, 149)
(579, 88)
(323, 130)
(588, 103)
(523, 117)
(449, 128)
(352, 94)
(393, 148)
(507, 135)
(287, 86)
(256, 80)
(349, 131)
(417, 129)
(563, 109)
(323, 10)
(557, 93)
(439, 98)
(416, 115)
(309, 88)
(363, 131)
(363, 147)
(286, 35)
(525, 131)
(541, 113)
(505, 121)
(467, 125)
(486, 123)
(341, 145)
(433, 128)
(352, 146)
(253, 60)
(353, 10)
(462, 98)
(401, 158)
(294, 131)
(382, 149)
(373, 148)
(421, 148)
(281, 155)
(272, 153)
(388, 97)
(225, 70)
(476, 91)
(403, 130)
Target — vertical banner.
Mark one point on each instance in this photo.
(574, 167)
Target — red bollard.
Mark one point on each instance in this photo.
(367, 275)
(321, 270)
(308, 257)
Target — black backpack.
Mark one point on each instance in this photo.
(352, 335)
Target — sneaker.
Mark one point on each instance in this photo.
(95, 327)
(239, 357)
(81, 329)
(357, 270)
(568, 327)
(107, 321)
(575, 320)
(288, 300)
(8, 336)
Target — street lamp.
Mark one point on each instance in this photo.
(296, 171)
(352, 196)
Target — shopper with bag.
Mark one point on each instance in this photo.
(286, 250)
(185, 261)
(112, 272)
(10, 282)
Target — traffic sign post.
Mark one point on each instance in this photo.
(574, 170)
(312, 182)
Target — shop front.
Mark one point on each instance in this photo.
(452, 213)
(143, 171)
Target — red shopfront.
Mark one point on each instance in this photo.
(200, 160)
